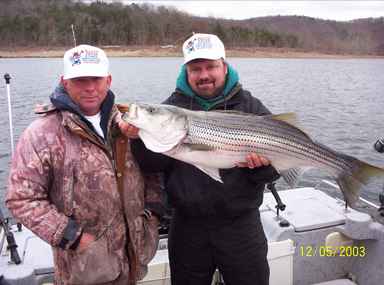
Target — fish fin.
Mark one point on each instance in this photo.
(292, 175)
(201, 147)
(211, 172)
(362, 174)
(155, 145)
(350, 187)
(289, 118)
(367, 171)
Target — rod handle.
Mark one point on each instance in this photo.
(7, 78)
(12, 246)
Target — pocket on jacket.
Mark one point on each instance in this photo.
(94, 265)
(147, 238)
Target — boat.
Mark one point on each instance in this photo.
(313, 238)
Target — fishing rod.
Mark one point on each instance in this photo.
(12, 246)
(7, 78)
(73, 34)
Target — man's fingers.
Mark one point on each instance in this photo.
(254, 160)
(128, 130)
(264, 161)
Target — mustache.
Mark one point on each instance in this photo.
(203, 81)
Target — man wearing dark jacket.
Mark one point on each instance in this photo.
(214, 225)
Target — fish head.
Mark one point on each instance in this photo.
(161, 127)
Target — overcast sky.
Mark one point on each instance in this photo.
(333, 10)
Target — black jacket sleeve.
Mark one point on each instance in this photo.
(260, 175)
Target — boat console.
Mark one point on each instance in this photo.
(330, 241)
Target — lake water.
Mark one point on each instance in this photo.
(339, 101)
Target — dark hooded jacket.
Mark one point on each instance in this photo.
(190, 191)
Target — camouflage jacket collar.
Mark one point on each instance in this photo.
(63, 102)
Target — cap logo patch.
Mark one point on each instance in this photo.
(190, 46)
(84, 56)
(199, 43)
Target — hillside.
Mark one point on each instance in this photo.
(363, 36)
(46, 24)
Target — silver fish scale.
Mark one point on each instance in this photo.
(266, 136)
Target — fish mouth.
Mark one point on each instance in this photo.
(131, 113)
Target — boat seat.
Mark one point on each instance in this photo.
(337, 282)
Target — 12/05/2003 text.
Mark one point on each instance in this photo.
(324, 250)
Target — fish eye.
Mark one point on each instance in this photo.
(151, 109)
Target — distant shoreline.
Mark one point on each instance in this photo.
(155, 51)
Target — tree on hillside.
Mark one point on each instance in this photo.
(48, 23)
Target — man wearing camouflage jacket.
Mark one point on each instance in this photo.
(74, 182)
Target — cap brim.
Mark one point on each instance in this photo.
(86, 71)
(203, 55)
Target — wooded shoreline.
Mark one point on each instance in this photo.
(155, 51)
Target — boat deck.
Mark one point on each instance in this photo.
(316, 239)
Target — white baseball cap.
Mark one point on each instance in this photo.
(85, 60)
(206, 46)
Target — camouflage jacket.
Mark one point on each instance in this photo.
(63, 174)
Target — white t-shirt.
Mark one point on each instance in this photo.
(95, 121)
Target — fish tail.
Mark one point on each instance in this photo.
(362, 174)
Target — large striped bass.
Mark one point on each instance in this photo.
(215, 139)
